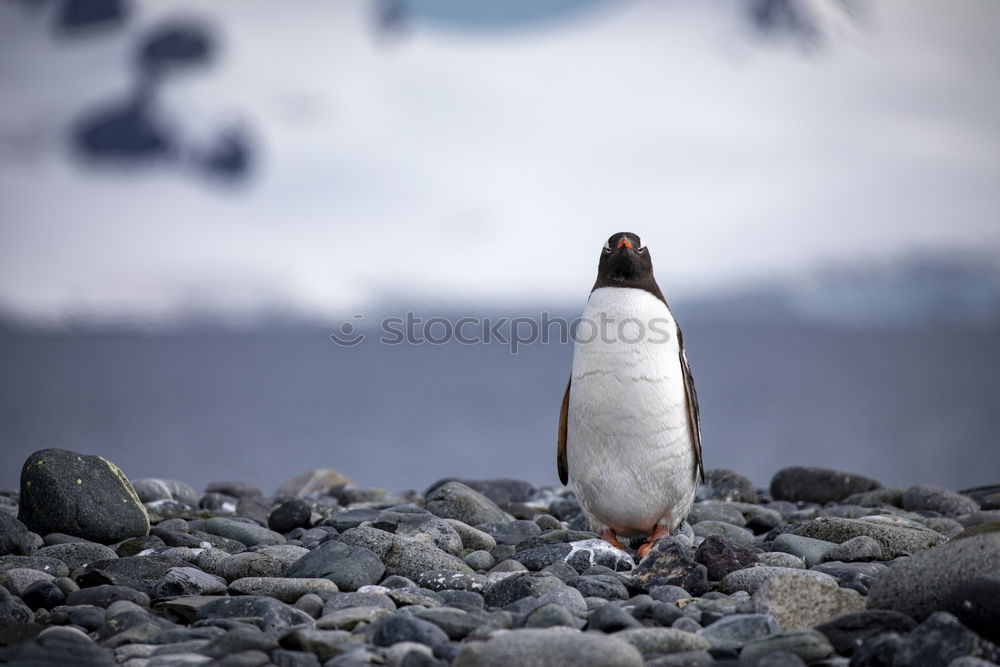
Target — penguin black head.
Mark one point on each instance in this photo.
(625, 262)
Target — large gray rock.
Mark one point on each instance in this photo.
(976, 603)
(848, 632)
(735, 630)
(936, 499)
(922, 583)
(550, 646)
(138, 572)
(500, 491)
(76, 554)
(405, 556)
(817, 485)
(275, 616)
(85, 496)
(424, 526)
(14, 537)
(808, 549)
(58, 646)
(800, 603)
(939, 640)
(348, 566)
(454, 500)
(178, 581)
(894, 537)
(751, 578)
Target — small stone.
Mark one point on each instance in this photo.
(247, 564)
(817, 485)
(848, 632)
(472, 538)
(401, 627)
(732, 632)
(85, 496)
(716, 511)
(12, 610)
(808, 549)
(667, 563)
(105, 595)
(611, 618)
(348, 600)
(311, 604)
(550, 646)
(43, 595)
(275, 616)
(288, 516)
(935, 499)
(511, 589)
(500, 491)
(856, 576)
(781, 559)
(286, 590)
(726, 485)
(894, 538)
(920, 584)
(77, 554)
(456, 623)
(349, 567)
(606, 586)
(799, 603)
(325, 644)
(720, 556)
(454, 500)
(315, 482)
(857, 549)
(249, 534)
(286, 553)
(16, 580)
(181, 581)
(751, 578)
(550, 615)
(414, 596)
(442, 580)
(53, 566)
(346, 619)
(651, 641)
(479, 560)
(809, 645)
(723, 529)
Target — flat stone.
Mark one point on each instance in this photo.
(726, 485)
(346, 619)
(400, 627)
(401, 555)
(354, 599)
(450, 580)
(921, 584)
(414, 595)
(663, 640)
(247, 564)
(184, 581)
(286, 590)
(808, 549)
(856, 576)
(606, 586)
(714, 510)
(781, 559)
(85, 496)
(17, 580)
(751, 578)
(43, 595)
(59, 646)
(935, 499)
(893, 538)
(736, 630)
(249, 534)
(325, 644)
(809, 645)
(105, 595)
(729, 531)
(286, 553)
(817, 485)
(472, 538)
(857, 549)
(349, 567)
(53, 566)
(511, 532)
(275, 616)
(801, 603)
(77, 554)
(138, 572)
(423, 526)
(454, 500)
(550, 646)
(848, 632)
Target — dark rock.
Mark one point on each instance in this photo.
(86, 496)
(324, 643)
(405, 556)
(976, 603)
(421, 525)
(921, 584)
(150, 490)
(52, 566)
(253, 508)
(275, 617)
(939, 640)
(288, 516)
(809, 549)
(400, 627)
(218, 502)
(340, 601)
(138, 572)
(550, 646)
(246, 533)
(352, 518)
(721, 484)
(315, 482)
(245, 638)
(667, 563)
(78, 554)
(848, 632)
(454, 500)
(43, 595)
(604, 586)
(668, 593)
(467, 600)
(12, 610)
(247, 564)
(549, 616)
(88, 617)
(135, 545)
(415, 595)
(178, 581)
(15, 538)
(809, 645)
(510, 532)
(350, 567)
(528, 584)
(751, 578)
(818, 485)
(925, 497)
(500, 491)
(877, 651)
(102, 596)
(287, 658)
(781, 659)
(611, 618)
(555, 537)
(736, 630)
(721, 556)
(857, 576)
(456, 623)
(59, 646)
(443, 580)
(281, 588)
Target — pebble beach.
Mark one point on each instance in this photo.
(823, 567)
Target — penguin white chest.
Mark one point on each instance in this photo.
(629, 446)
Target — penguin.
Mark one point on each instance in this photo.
(630, 427)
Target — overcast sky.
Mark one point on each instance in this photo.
(460, 164)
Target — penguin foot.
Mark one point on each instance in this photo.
(612, 539)
(660, 531)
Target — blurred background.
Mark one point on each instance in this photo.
(194, 195)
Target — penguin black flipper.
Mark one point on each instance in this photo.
(561, 464)
(694, 412)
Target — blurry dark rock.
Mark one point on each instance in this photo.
(176, 44)
(860, 548)
(398, 627)
(988, 497)
(12, 610)
(244, 532)
(721, 556)
(276, 616)
(350, 567)
(611, 618)
(668, 563)
(104, 595)
(288, 516)
(229, 157)
(43, 595)
(125, 132)
(14, 536)
(83, 16)
(733, 631)
(188, 581)
(133, 545)
(818, 485)
(850, 631)
(137, 572)
(856, 576)
(315, 482)
(722, 484)
(604, 586)
(234, 489)
(352, 518)
(59, 646)
(454, 500)
(86, 496)
(809, 645)
(936, 499)
(939, 640)
(549, 646)
(510, 532)
(218, 502)
(499, 491)
(976, 603)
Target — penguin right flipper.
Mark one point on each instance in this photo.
(561, 464)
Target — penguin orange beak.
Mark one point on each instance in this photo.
(623, 241)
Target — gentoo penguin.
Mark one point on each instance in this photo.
(629, 428)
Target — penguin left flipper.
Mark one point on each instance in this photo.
(693, 410)
(561, 465)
